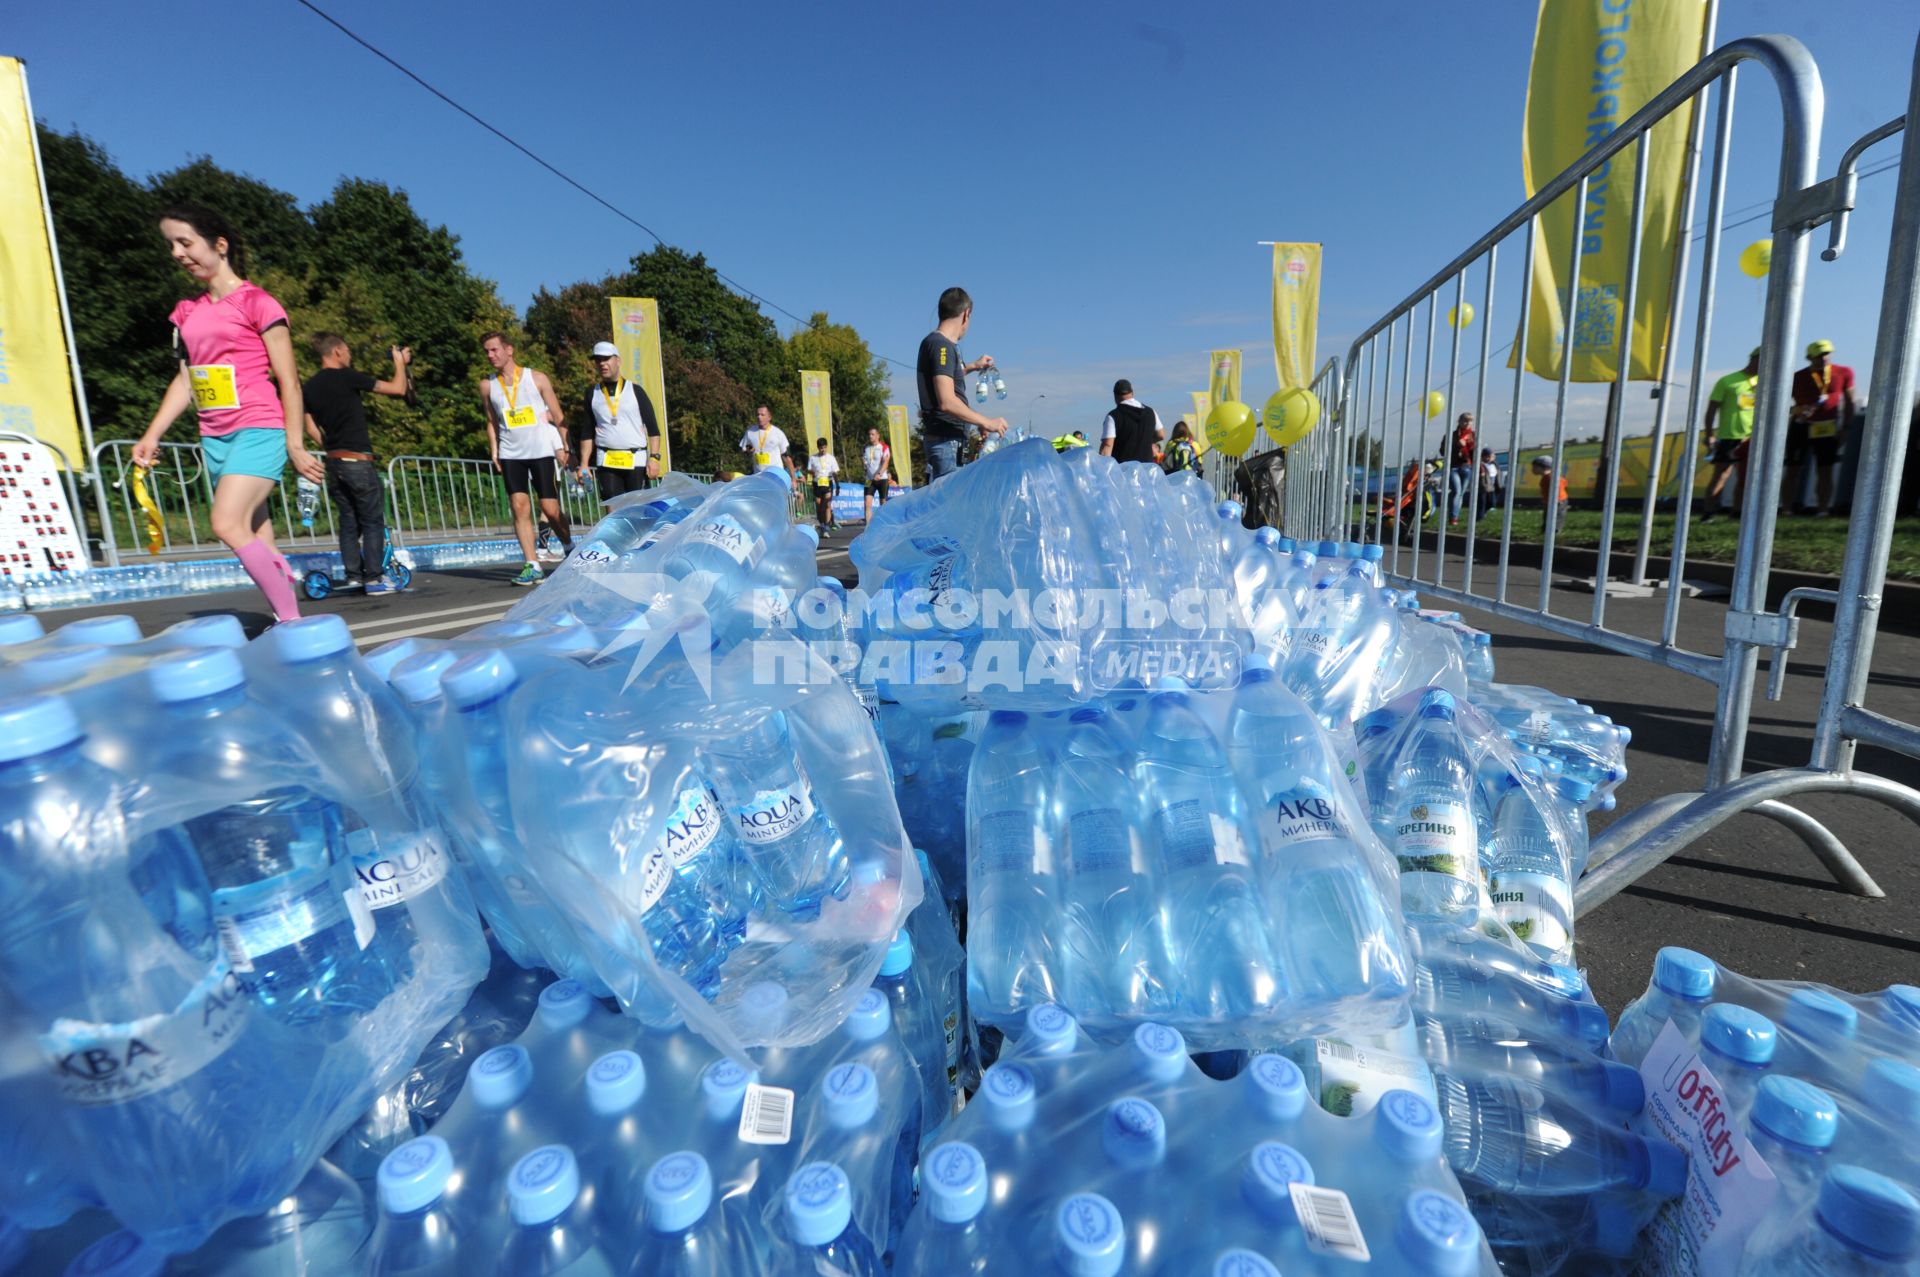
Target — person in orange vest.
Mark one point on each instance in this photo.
(1543, 467)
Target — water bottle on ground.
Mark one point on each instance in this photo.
(820, 1229)
(553, 1233)
(1434, 838)
(1528, 876)
(320, 1227)
(1458, 988)
(1738, 1045)
(1478, 1045)
(793, 856)
(688, 1233)
(418, 1234)
(1863, 1224)
(918, 1023)
(1088, 1238)
(1792, 1125)
(949, 1236)
(1012, 912)
(1514, 1137)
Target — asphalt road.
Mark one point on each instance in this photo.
(1747, 893)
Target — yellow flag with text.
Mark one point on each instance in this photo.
(1202, 405)
(636, 331)
(36, 371)
(1296, 312)
(1596, 62)
(901, 441)
(816, 407)
(1223, 378)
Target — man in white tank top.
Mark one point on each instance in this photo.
(523, 433)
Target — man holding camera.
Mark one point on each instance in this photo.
(337, 422)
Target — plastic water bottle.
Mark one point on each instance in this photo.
(1434, 838)
(1218, 932)
(949, 1236)
(1738, 1045)
(1682, 986)
(1515, 1138)
(1492, 1046)
(922, 1035)
(417, 1232)
(687, 1234)
(1437, 1235)
(1864, 1223)
(319, 1227)
(1528, 876)
(1451, 987)
(1792, 1125)
(818, 1215)
(1012, 914)
(118, 1254)
(307, 499)
(793, 855)
(553, 1233)
(1820, 1038)
(723, 541)
(496, 1122)
(1089, 1237)
(1114, 937)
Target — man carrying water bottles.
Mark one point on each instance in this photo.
(523, 434)
(941, 378)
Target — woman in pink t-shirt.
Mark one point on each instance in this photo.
(237, 372)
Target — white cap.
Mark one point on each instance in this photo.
(601, 349)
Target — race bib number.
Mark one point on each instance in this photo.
(617, 460)
(764, 460)
(521, 418)
(213, 387)
(1822, 429)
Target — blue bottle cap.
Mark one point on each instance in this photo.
(1373, 553)
(564, 1004)
(311, 638)
(1666, 1168)
(1869, 1213)
(418, 677)
(1574, 790)
(189, 675)
(206, 631)
(615, 1083)
(1586, 1021)
(1621, 1088)
(1006, 718)
(1159, 1053)
(1682, 973)
(1089, 1237)
(724, 1086)
(1408, 1127)
(955, 1182)
(107, 631)
(1276, 1086)
(1010, 1094)
(899, 957)
(679, 1189)
(1051, 1030)
(819, 1203)
(382, 659)
(1612, 1227)
(1438, 1235)
(1738, 1033)
(1816, 1013)
(1893, 1091)
(413, 1176)
(1254, 662)
(477, 677)
(31, 725)
(20, 628)
(852, 1095)
(500, 1076)
(870, 1018)
(1269, 537)
(1229, 509)
(1270, 1168)
(1241, 1263)
(118, 1254)
(543, 1184)
(1328, 549)
(1904, 1000)
(1135, 1135)
(56, 667)
(810, 532)
(1437, 704)
(1795, 1112)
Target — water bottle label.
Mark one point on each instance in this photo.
(273, 913)
(1353, 1078)
(103, 1064)
(1316, 640)
(362, 915)
(935, 547)
(594, 552)
(1191, 835)
(1308, 816)
(724, 533)
(1436, 836)
(656, 875)
(773, 814)
(1099, 842)
(692, 826)
(1010, 842)
(1538, 729)
(766, 1115)
(1538, 908)
(1328, 1222)
(397, 872)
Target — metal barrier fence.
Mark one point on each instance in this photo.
(1641, 840)
(1319, 467)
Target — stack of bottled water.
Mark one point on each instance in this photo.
(1800, 1107)
(1076, 1160)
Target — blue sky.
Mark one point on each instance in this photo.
(1097, 176)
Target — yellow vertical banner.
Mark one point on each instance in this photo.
(900, 440)
(636, 331)
(1202, 405)
(816, 407)
(1296, 312)
(1223, 378)
(36, 369)
(1596, 62)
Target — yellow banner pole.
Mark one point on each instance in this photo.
(636, 331)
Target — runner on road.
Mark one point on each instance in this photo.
(620, 451)
(523, 433)
(877, 460)
(767, 443)
(823, 470)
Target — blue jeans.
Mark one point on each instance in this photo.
(943, 457)
(1458, 480)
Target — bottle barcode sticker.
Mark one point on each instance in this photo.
(766, 1115)
(231, 945)
(1327, 1219)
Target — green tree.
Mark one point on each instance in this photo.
(859, 382)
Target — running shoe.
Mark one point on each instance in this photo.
(382, 587)
(529, 575)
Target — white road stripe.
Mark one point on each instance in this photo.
(374, 640)
(385, 621)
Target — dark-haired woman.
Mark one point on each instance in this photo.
(237, 372)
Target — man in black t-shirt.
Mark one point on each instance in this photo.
(1131, 429)
(337, 421)
(941, 379)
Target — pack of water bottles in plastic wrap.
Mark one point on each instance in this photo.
(1799, 1107)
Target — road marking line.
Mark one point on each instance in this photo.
(385, 621)
(435, 628)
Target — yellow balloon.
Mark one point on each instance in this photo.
(1756, 259)
(1230, 427)
(1460, 316)
(1290, 414)
(1436, 403)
